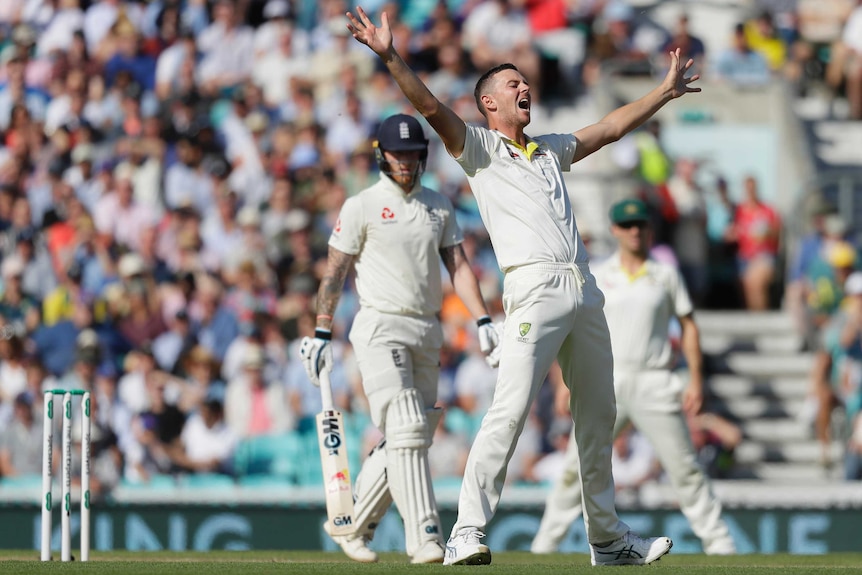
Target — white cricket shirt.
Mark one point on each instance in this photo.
(522, 197)
(396, 238)
(639, 309)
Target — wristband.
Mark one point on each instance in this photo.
(484, 320)
(323, 334)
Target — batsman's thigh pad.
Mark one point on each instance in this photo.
(407, 440)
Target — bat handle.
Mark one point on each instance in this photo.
(326, 391)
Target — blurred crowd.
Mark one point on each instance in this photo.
(170, 171)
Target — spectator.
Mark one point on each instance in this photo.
(763, 38)
(846, 63)
(634, 461)
(723, 285)
(558, 42)
(690, 46)
(172, 345)
(758, 228)
(140, 374)
(13, 376)
(227, 47)
(498, 31)
(715, 439)
(690, 243)
(278, 65)
(21, 441)
(741, 65)
(836, 360)
(254, 405)
(449, 456)
(55, 345)
(156, 432)
(206, 443)
(549, 468)
(18, 311)
(200, 370)
(175, 68)
(825, 278)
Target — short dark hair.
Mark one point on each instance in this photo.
(485, 79)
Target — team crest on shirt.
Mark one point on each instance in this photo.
(434, 218)
(388, 216)
(524, 329)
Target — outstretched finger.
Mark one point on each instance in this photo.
(363, 16)
(354, 23)
(688, 64)
(674, 59)
(692, 79)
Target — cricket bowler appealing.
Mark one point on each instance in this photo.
(553, 307)
(395, 233)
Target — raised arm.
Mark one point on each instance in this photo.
(445, 122)
(626, 118)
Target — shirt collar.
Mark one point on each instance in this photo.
(641, 272)
(390, 186)
(531, 147)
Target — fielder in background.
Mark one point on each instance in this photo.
(395, 233)
(642, 295)
(553, 307)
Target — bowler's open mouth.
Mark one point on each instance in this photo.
(524, 103)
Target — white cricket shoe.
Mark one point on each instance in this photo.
(464, 548)
(631, 549)
(430, 552)
(354, 546)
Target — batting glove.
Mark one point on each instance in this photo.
(316, 354)
(489, 338)
(493, 358)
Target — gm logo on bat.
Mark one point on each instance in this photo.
(342, 520)
(331, 435)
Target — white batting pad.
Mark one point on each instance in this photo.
(407, 440)
(371, 495)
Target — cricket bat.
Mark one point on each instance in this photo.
(333, 460)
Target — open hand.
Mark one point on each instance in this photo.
(675, 81)
(692, 399)
(364, 30)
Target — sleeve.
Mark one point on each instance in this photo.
(451, 234)
(680, 299)
(349, 231)
(563, 146)
(476, 154)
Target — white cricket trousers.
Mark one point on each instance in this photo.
(396, 352)
(553, 311)
(652, 401)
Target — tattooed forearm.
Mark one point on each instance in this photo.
(450, 256)
(329, 293)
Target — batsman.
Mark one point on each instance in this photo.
(394, 233)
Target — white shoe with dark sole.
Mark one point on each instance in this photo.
(630, 549)
(465, 548)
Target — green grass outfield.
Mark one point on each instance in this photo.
(314, 563)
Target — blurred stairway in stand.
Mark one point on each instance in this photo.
(758, 376)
